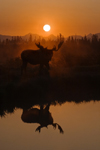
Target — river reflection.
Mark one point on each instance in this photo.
(41, 116)
(80, 122)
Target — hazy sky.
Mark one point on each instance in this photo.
(69, 17)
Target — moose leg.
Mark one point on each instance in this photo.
(41, 107)
(47, 66)
(41, 69)
(23, 68)
(47, 107)
(47, 69)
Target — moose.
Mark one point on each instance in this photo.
(41, 116)
(41, 57)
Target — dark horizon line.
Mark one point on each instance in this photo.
(50, 35)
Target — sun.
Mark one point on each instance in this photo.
(46, 27)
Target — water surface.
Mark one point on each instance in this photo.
(80, 122)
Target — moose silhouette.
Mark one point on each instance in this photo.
(41, 116)
(38, 57)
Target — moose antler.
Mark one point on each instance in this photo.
(54, 125)
(54, 48)
(39, 46)
(59, 127)
(38, 128)
(59, 45)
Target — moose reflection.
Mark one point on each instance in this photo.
(38, 57)
(41, 116)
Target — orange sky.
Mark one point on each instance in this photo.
(69, 17)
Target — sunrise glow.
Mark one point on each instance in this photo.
(70, 18)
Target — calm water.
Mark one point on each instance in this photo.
(80, 122)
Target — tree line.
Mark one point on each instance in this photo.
(74, 51)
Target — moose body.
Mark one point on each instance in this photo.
(35, 115)
(38, 57)
(41, 116)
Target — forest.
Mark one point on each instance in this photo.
(73, 53)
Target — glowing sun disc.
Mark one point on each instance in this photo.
(46, 27)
